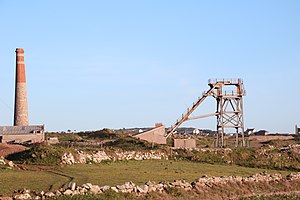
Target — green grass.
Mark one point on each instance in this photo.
(141, 171)
(11, 180)
(113, 173)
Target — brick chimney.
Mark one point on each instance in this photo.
(21, 105)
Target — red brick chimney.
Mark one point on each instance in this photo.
(21, 105)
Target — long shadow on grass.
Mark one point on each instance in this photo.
(71, 178)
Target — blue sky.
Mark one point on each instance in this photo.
(95, 64)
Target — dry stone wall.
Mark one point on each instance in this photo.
(96, 157)
(151, 186)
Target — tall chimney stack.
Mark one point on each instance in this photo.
(21, 105)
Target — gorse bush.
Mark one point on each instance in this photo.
(99, 134)
(41, 154)
(132, 144)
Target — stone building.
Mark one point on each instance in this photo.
(22, 134)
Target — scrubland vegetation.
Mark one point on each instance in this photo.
(39, 167)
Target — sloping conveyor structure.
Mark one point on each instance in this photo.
(229, 109)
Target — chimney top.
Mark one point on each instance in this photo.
(19, 50)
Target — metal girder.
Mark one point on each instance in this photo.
(229, 109)
(202, 116)
(185, 116)
(230, 119)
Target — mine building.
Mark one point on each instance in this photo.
(21, 132)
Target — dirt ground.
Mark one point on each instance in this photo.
(6, 149)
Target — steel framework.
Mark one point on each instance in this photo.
(229, 112)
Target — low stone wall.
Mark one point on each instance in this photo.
(150, 186)
(207, 181)
(136, 155)
(99, 156)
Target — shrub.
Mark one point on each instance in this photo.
(41, 154)
(132, 144)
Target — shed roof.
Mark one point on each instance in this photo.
(20, 130)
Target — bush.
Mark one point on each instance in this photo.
(131, 144)
(40, 154)
(99, 134)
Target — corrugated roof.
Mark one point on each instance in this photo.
(20, 130)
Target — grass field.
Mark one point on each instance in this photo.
(11, 180)
(113, 173)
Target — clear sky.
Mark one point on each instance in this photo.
(115, 64)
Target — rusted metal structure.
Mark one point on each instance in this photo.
(229, 112)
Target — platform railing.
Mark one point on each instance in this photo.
(225, 80)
